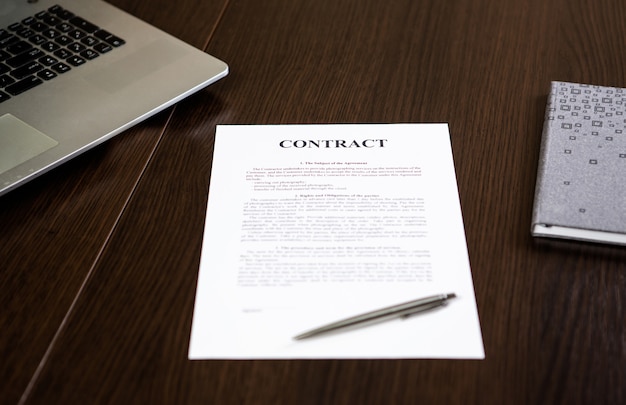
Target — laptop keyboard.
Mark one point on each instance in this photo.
(48, 44)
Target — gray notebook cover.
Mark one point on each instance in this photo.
(581, 179)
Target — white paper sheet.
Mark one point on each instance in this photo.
(309, 224)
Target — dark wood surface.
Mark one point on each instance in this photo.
(99, 258)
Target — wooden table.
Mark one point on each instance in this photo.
(99, 258)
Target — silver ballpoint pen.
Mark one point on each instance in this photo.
(395, 311)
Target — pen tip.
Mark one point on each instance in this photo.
(302, 336)
(450, 295)
(310, 333)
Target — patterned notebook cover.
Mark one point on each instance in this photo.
(581, 179)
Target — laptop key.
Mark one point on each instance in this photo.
(47, 60)
(4, 97)
(51, 20)
(89, 41)
(50, 46)
(24, 57)
(37, 39)
(28, 69)
(102, 47)
(65, 27)
(61, 67)
(8, 40)
(109, 38)
(50, 33)
(63, 40)
(5, 80)
(28, 20)
(42, 14)
(63, 53)
(89, 54)
(23, 85)
(61, 12)
(38, 26)
(26, 32)
(84, 24)
(18, 47)
(15, 26)
(75, 60)
(47, 74)
(76, 47)
(77, 34)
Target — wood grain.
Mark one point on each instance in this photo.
(53, 230)
(552, 312)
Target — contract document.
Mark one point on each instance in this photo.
(310, 224)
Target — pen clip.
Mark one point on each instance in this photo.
(426, 307)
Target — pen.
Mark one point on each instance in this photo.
(403, 310)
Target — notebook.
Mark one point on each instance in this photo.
(74, 73)
(581, 187)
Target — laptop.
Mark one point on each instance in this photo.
(75, 73)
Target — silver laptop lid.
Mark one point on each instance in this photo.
(120, 72)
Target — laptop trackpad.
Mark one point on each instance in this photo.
(20, 142)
